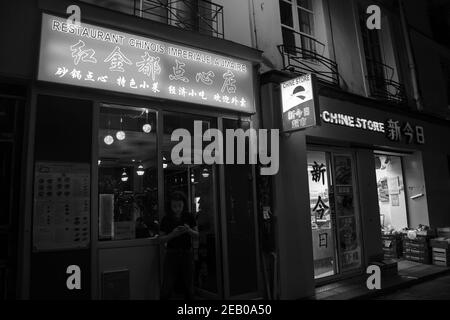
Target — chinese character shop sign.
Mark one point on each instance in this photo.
(299, 103)
(395, 130)
(101, 58)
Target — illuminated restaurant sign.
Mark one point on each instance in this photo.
(102, 58)
(299, 103)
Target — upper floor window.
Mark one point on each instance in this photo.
(304, 26)
(380, 60)
(297, 26)
(202, 16)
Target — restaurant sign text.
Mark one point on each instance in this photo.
(101, 58)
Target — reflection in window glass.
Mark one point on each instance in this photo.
(195, 182)
(127, 174)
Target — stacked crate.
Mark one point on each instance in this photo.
(441, 247)
(392, 246)
(418, 249)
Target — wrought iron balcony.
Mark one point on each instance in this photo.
(309, 59)
(381, 84)
(200, 16)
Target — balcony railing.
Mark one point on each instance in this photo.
(309, 59)
(200, 16)
(381, 83)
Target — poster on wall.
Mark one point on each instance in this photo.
(393, 185)
(343, 167)
(349, 244)
(61, 214)
(300, 109)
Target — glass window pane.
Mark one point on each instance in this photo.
(322, 218)
(195, 183)
(286, 13)
(127, 174)
(347, 218)
(289, 39)
(240, 223)
(391, 193)
(305, 21)
(305, 4)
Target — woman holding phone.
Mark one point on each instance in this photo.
(178, 227)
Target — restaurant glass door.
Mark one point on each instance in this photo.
(198, 182)
(335, 221)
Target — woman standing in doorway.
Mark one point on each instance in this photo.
(178, 227)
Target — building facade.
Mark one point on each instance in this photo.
(88, 157)
(87, 114)
(377, 157)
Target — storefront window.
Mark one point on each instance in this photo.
(334, 218)
(127, 173)
(391, 192)
(322, 220)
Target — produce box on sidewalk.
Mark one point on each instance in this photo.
(441, 247)
(392, 246)
(417, 249)
(388, 267)
(441, 257)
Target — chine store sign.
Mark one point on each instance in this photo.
(101, 58)
(395, 130)
(299, 103)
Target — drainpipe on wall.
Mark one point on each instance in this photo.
(411, 64)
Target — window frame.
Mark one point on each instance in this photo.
(296, 22)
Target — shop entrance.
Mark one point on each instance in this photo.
(391, 192)
(334, 213)
(136, 182)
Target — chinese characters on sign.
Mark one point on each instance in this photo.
(320, 208)
(102, 58)
(318, 172)
(299, 103)
(394, 130)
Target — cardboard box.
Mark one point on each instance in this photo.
(441, 242)
(443, 232)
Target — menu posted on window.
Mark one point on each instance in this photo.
(61, 213)
(300, 109)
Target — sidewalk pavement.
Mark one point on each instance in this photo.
(409, 273)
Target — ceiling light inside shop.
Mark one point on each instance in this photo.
(147, 127)
(205, 173)
(109, 140)
(120, 135)
(124, 177)
(140, 170)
